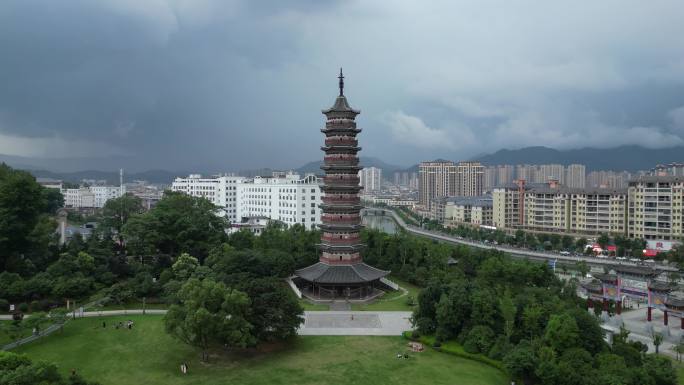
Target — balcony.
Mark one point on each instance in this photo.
(344, 241)
(341, 141)
(341, 181)
(332, 219)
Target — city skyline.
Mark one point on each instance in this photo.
(200, 85)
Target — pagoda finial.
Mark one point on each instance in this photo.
(341, 77)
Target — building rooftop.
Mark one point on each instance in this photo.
(340, 274)
(657, 179)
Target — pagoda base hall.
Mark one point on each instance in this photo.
(340, 272)
(321, 281)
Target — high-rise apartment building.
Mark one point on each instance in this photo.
(525, 172)
(370, 178)
(655, 207)
(468, 180)
(434, 180)
(505, 174)
(549, 172)
(575, 176)
(490, 176)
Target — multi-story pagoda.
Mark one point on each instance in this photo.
(340, 272)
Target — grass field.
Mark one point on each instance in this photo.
(147, 355)
(311, 306)
(395, 300)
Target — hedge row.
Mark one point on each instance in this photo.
(456, 350)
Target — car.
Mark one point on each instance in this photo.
(564, 253)
(635, 260)
(621, 258)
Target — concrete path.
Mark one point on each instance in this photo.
(641, 330)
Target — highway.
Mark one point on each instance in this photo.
(516, 252)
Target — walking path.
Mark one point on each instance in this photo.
(642, 330)
(316, 323)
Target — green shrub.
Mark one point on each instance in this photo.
(23, 307)
(4, 304)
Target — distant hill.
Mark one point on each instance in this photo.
(630, 158)
(387, 169)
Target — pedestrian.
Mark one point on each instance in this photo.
(104, 324)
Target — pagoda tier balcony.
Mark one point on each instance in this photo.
(340, 123)
(341, 169)
(344, 218)
(336, 240)
(340, 249)
(337, 208)
(341, 181)
(341, 148)
(341, 199)
(340, 188)
(341, 159)
(344, 227)
(340, 130)
(348, 141)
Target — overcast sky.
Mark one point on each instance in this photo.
(227, 85)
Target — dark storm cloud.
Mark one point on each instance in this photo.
(224, 85)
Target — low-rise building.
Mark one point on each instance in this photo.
(469, 210)
(289, 199)
(221, 190)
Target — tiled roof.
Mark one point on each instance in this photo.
(356, 273)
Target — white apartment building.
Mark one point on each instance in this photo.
(91, 197)
(370, 178)
(221, 190)
(104, 193)
(289, 199)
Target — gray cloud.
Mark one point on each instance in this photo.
(224, 85)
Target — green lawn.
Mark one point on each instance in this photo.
(312, 306)
(147, 355)
(5, 337)
(394, 300)
(128, 306)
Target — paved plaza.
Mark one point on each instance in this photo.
(355, 323)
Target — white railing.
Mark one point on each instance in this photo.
(296, 290)
(389, 283)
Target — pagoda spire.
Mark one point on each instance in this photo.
(341, 77)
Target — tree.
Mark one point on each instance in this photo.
(508, 312)
(35, 321)
(603, 240)
(60, 317)
(184, 266)
(179, 223)
(581, 244)
(582, 267)
(657, 339)
(22, 202)
(116, 212)
(452, 311)
(210, 314)
(561, 333)
(521, 361)
(660, 369)
(679, 350)
(479, 339)
(18, 369)
(275, 313)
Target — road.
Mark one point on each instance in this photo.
(515, 251)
